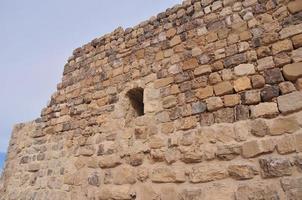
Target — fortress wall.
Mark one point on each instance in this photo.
(222, 117)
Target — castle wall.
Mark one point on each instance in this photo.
(222, 84)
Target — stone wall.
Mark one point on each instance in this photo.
(222, 97)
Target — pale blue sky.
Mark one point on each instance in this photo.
(36, 39)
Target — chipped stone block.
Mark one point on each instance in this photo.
(275, 167)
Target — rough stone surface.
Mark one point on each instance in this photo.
(290, 102)
(191, 104)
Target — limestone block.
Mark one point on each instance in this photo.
(231, 100)
(251, 97)
(242, 171)
(283, 125)
(297, 41)
(297, 55)
(190, 64)
(290, 31)
(109, 161)
(124, 175)
(264, 110)
(292, 187)
(202, 174)
(257, 191)
(242, 83)
(244, 69)
(293, 71)
(214, 103)
(280, 46)
(167, 175)
(223, 88)
(258, 81)
(295, 6)
(286, 145)
(290, 102)
(122, 192)
(287, 87)
(265, 63)
(203, 93)
(259, 128)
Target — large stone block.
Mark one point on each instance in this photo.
(275, 167)
(292, 71)
(290, 102)
(264, 110)
(202, 174)
(292, 187)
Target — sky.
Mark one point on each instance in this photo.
(36, 39)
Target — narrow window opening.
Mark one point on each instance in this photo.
(136, 97)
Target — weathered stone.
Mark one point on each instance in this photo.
(244, 69)
(231, 100)
(198, 107)
(269, 92)
(287, 87)
(286, 145)
(206, 119)
(163, 82)
(275, 167)
(203, 69)
(282, 59)
(290, 31)
(292, 187)
(116, 192)
(259, 128)
(283, 125)
(290, 102)
(203, 93)
(108, 161)
(251, 97)
(124, 175)
(294, 6)
(225, 115)
(293, 71)
(34, 167)
(242, 171)
(167, 175)
(175, 40)
(297, 55)
(214, 103)
(258, 81)
(242, 84)
(94, 180)
(264, 110)
(214, 78)
(228, 152)
(190, 64)
(242, 112)
(235, 60)
(251, 149)
(280, 46)
(202, 174)
(273, 76)
(258, 191)
(297, 41)
(169, 101)
(223, 88)
(265, 63)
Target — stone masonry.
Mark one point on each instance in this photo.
(201, 102)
